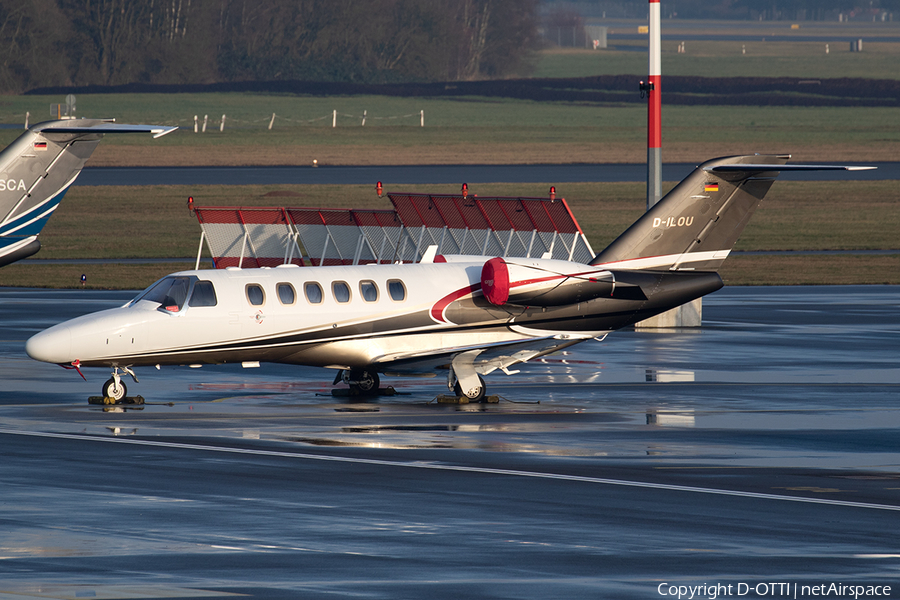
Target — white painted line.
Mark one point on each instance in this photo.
(458, 468)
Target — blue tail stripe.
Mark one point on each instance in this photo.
(34, 228)
(9, 240)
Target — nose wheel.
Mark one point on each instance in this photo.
(114, 387)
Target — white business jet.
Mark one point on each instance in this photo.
(468, 315)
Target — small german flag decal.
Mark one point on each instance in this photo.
(40, 146)
(711, 187)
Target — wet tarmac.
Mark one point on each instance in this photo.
(759, 452)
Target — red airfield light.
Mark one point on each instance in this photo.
(378, 189)
(553, 192)
(465, 190)
(190, 203)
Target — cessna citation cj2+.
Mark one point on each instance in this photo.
(37, 169)
(467, 314)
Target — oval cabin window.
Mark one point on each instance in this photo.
(313, 292)
(397, 290)
(286, 293)
(369, 291)
(341, 291)
(255, 295)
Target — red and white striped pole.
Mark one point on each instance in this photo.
(654, 110)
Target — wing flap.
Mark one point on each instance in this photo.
(489, 358)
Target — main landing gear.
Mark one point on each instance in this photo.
(114, 387)
(464, 380)
(473, 394)
(361, 381)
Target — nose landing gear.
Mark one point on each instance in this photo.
(114, 388)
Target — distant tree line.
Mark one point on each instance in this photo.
(114, 42)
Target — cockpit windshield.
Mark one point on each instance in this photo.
(170, 293)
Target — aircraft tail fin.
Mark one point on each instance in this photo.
(695, 226)
(38, 168)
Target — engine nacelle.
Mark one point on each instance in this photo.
(536, 284)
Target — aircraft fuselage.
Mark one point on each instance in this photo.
(374, 316)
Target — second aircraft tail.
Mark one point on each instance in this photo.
(38, 168)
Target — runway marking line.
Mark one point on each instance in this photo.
(458, 468)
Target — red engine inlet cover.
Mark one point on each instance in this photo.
(495, 281)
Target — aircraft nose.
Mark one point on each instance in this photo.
(53, 345)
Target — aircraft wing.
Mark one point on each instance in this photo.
(485, 359)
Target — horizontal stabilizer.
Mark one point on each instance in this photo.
(763, 168)
(106, 127)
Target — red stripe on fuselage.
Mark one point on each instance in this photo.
(437, 310)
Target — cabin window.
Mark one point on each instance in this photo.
(170, 293)
(286, 293)
(255, 294)
(204, 294)
(341, 291)
(397, 290)
(313, 292)
(369, 291)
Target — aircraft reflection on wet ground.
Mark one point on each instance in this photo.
(761, 446)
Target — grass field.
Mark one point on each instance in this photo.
(798, 57)
(466, 131)
(803, 59)
(153, 222)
